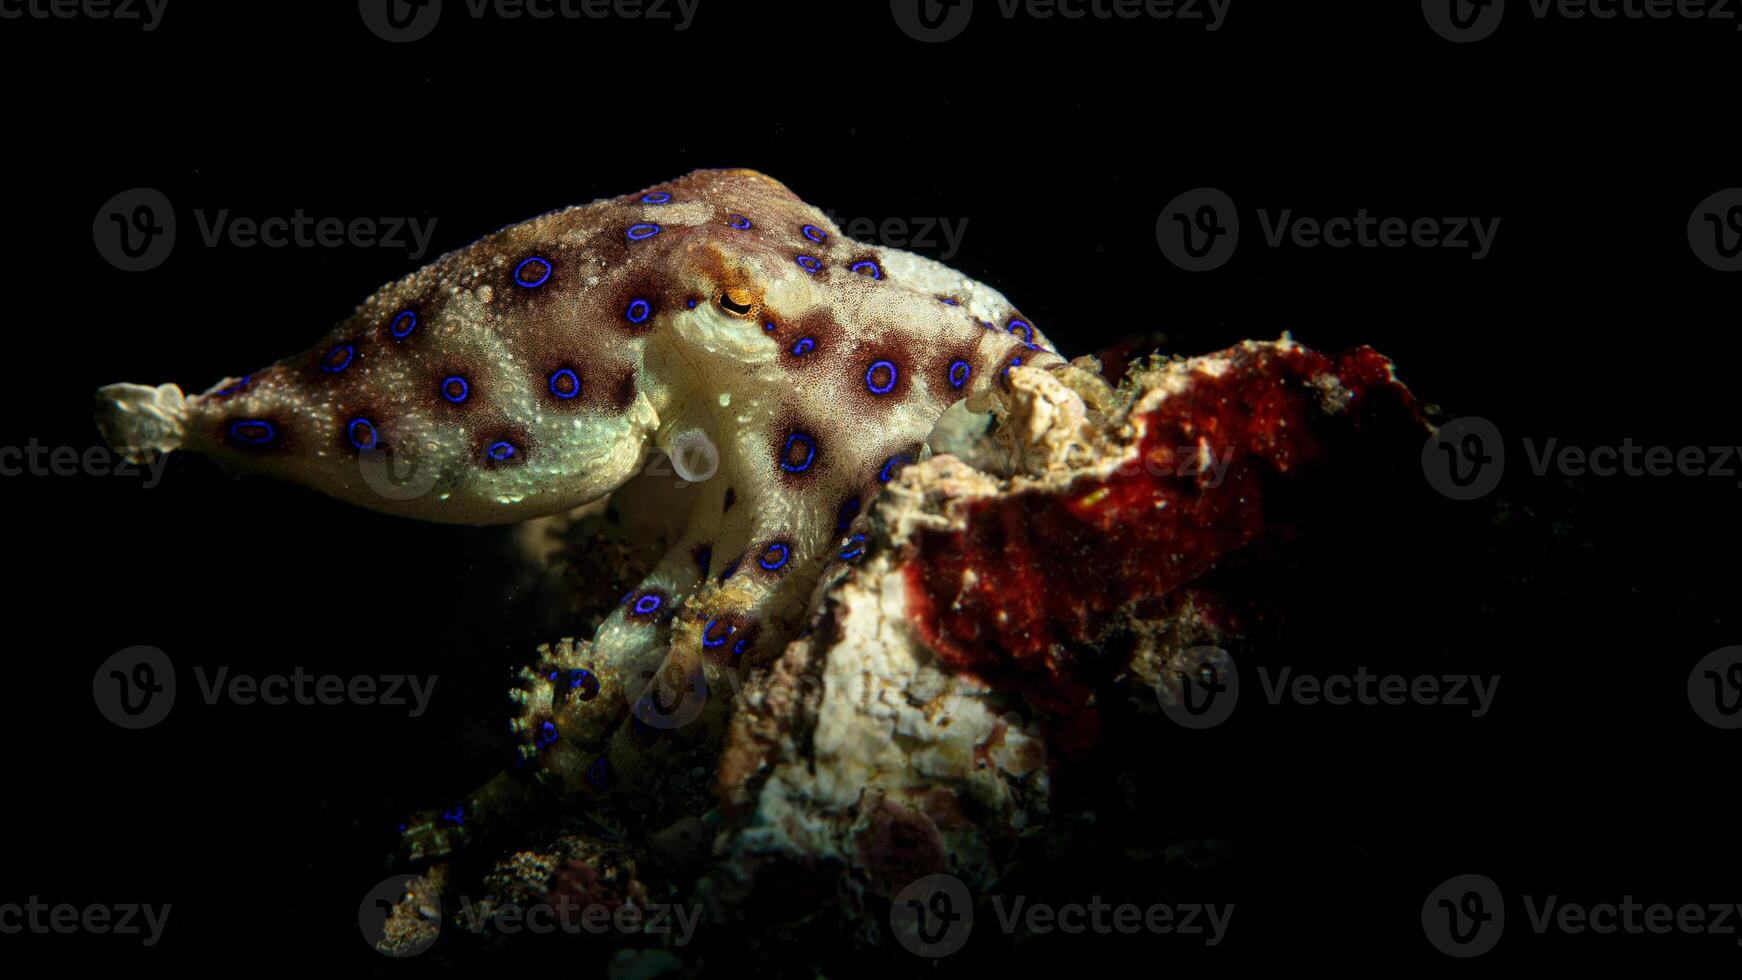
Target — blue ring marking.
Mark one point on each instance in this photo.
(988, 324)
(1026, 328)
(501, 451)
(691, 304)
(949, 301)
(804, 346)
(738, 221)
(1014, 362)
(705, 558)
(552, 676)
(346, 351)
(793, 440)
(769, 326)
(231, 389)
(403, 324)
(583, 678)
(774, 564)
(638, 312)
(454, 814)
(810, 264)
(708, 631)
(894, 376)
(866, 267)
(960, 372)
(814, 233)
(464, 392)
(546, 735)
(599, 775)
(657, 197)
(642, 231)
(543, 273)
(368, 428)
(648, 604)
(887, 473)
(730, 569)
(849, 510)
(573, 383)
(265, 434)
(738, 648)
(855, 548)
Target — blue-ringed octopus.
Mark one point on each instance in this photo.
(785, 370)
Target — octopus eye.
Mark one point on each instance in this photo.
(737, 302)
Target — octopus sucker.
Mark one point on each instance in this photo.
(787, 371)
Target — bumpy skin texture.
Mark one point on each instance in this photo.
(716, 318)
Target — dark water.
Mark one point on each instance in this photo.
(1051, 147)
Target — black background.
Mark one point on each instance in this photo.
(1059, 143)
